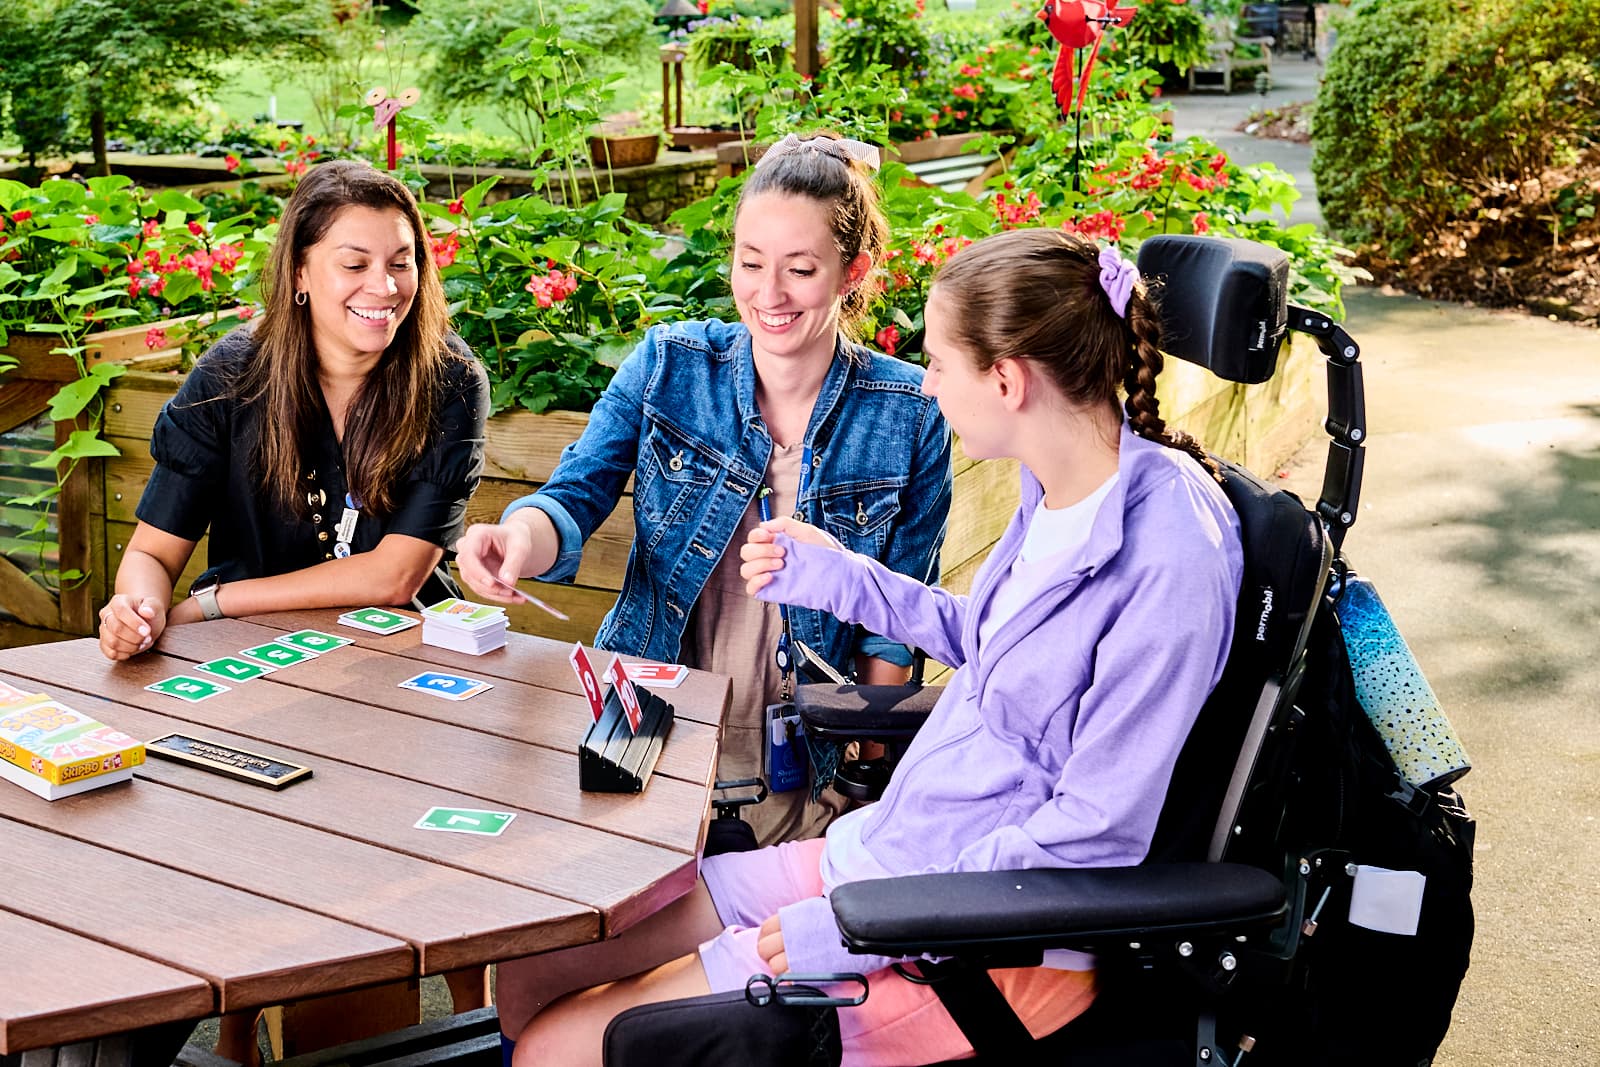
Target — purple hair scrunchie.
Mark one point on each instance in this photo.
(1117, 278)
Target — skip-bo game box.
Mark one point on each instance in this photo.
(53, 750)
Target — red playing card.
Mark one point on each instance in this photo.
(588, 679)
(658, 675)
(617, 675)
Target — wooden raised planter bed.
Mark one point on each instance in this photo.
(521, 451)
(1259, 425)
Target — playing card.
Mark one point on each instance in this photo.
(377, 620)
(464, 613)
(657, 675)
(465, 821)
(276, 655)
(449, 686)
(234, 669)
(618, 677)
(186, 687)
(313, 641)
(588, 679)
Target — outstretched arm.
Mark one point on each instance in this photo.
(788, 562)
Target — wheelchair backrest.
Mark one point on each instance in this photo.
(1224, 307)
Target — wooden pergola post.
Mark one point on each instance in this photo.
(805, 38)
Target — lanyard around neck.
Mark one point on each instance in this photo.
(783, 654)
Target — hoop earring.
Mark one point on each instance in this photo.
(301, 296)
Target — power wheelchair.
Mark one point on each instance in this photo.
(1198, 947)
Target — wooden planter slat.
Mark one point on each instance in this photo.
(1261, 426)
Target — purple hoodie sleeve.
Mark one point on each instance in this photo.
(859, 589)
(811, 941)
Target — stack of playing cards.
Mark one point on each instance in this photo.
(463, 626)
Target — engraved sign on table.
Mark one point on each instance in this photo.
(224, 759)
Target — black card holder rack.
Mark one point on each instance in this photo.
(611, 758)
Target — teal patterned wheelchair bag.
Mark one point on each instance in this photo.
(1393, 692)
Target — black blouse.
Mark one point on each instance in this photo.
(204, 447)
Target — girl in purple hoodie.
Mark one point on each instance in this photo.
(1093, 634)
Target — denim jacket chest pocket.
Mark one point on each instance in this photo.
(672, 468)
(861, 515)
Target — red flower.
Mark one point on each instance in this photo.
(21, 216)
(445, 249)
(195, 228)
(231, 162)
(888, 338)
(151, 227)
(90, 219)
(1201, 223)
(283, 146)
(456, 206)
(133, 287)
(704, 6)
(247, 312)
(155, 337)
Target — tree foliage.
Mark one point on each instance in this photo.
(1432, 109)
(87, 62)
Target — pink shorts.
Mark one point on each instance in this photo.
(900, 1022)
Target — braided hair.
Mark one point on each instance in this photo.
(1036, 294)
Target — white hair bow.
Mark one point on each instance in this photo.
(843, 149)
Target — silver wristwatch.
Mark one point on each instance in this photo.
(206, 596)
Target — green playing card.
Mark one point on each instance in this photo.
(313, 640)
(234, 669)
(278, 655)
(465, 821)
(187, 687)
(376, 620)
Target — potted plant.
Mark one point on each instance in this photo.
(616, 144)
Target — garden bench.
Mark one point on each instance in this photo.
(1260, 31)
(953, 173)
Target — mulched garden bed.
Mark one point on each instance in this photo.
(1506, 257)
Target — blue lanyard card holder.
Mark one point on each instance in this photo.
(786, 761)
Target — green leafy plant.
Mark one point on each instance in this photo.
(1166, 32)
(504, 53)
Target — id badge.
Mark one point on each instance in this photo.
(787, 764)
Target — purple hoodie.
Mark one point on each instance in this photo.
(1055, 740)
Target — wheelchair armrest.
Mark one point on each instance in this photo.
(1079, 908)
(865, 712)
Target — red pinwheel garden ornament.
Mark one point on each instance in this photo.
(1078, 24)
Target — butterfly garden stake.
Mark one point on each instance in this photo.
(385, 108)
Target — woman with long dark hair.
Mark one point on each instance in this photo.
(330, 445)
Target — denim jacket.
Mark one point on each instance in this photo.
(680, 418)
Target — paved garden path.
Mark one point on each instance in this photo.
(1480, 524)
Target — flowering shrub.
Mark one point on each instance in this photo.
(76, 257)
(551, 298)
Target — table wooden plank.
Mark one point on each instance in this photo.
(493, 769)
(703, 697)
(623, 879)
(252, 950)
(60, 987)
(451, 918)
(511, 709)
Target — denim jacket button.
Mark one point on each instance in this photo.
(675, 464)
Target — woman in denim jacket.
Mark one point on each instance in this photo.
(706, 416)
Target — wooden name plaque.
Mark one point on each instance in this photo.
(224, 759)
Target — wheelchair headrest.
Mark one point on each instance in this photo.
(1224, 302)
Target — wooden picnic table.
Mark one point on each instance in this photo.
(186, 893)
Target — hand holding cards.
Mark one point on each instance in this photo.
(462, 626)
